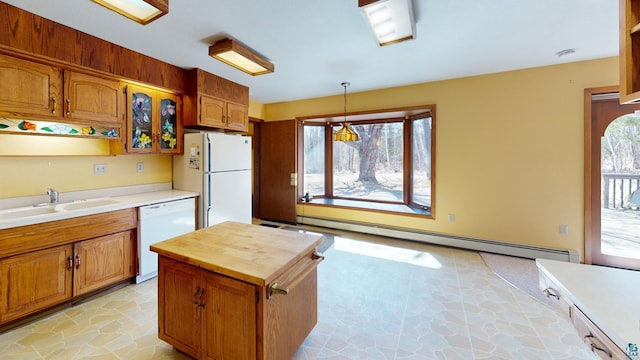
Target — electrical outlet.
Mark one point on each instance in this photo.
(140, 167)
(99, 169)
(564, 229)
(452, 218)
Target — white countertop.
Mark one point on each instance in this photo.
(123, 201)
(610, 297)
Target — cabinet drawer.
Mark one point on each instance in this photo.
(550, 289)
(599, 343)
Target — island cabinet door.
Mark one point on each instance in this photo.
(228, 319)
(178, 306)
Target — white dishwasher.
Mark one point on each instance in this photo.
(159, 222)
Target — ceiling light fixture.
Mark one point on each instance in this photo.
(233, 53)
(345, 133)
(391, 20)
(141, 11)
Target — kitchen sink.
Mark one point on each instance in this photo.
(87, 204)
(26, 212)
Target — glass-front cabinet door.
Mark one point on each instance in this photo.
(140, 123)
(153, 121)
(170, 130)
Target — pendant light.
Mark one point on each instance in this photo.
(345, 133)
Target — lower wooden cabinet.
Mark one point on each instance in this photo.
(103, 261)
(35, 281)
(47, 264)
(206, 315)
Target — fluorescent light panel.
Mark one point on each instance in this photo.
(391, 20)
(141, 11)
(233, 53)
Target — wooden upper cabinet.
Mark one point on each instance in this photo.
(90, 98)
(218, 113)
(214, 102)
(212, 112)
(237, 117)
(29, 89)
(153, 122)
(629, 51)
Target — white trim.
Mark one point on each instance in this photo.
(498, 247)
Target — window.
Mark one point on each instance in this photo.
(390, 164)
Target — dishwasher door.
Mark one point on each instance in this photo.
(159, 222)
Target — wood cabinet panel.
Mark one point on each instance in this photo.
(178, 310)
(103, 261)
(29, 88)
(91, 98)
(282, 328)
(22, 239)
(212, 112)
(31, 34)
(237, 117)
(205, 315)
(214, 102)
(34, 281)
(629, 51)
(229, 318)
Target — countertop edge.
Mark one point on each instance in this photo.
(124, 202)
(586, 298)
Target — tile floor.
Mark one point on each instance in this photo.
(378, 299)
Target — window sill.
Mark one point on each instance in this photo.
(397, 209)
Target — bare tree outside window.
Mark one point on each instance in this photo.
(373, 169)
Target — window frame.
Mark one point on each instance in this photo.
(404, 115)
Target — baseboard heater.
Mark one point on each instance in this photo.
(497, 247)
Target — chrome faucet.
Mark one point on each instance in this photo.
(54, 196)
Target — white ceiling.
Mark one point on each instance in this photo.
(317, 44)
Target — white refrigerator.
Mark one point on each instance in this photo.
(218, 166)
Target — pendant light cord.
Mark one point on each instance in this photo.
(345, 84)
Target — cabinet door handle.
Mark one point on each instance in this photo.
(68, 106)
(278, 289)
(317, 256)
(549, 292)
(69, 262)
(195, 295)
(590, 339)
(77, 261)
(201, 303)
(55, 105)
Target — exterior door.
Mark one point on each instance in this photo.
(278, 178)
(612, 223)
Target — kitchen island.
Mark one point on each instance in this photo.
(237, 291)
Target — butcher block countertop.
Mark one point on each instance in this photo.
(251, 253)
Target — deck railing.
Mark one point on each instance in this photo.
(616, 188)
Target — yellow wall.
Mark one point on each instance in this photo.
(509, 151)
(32, 175)
(256, 110)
